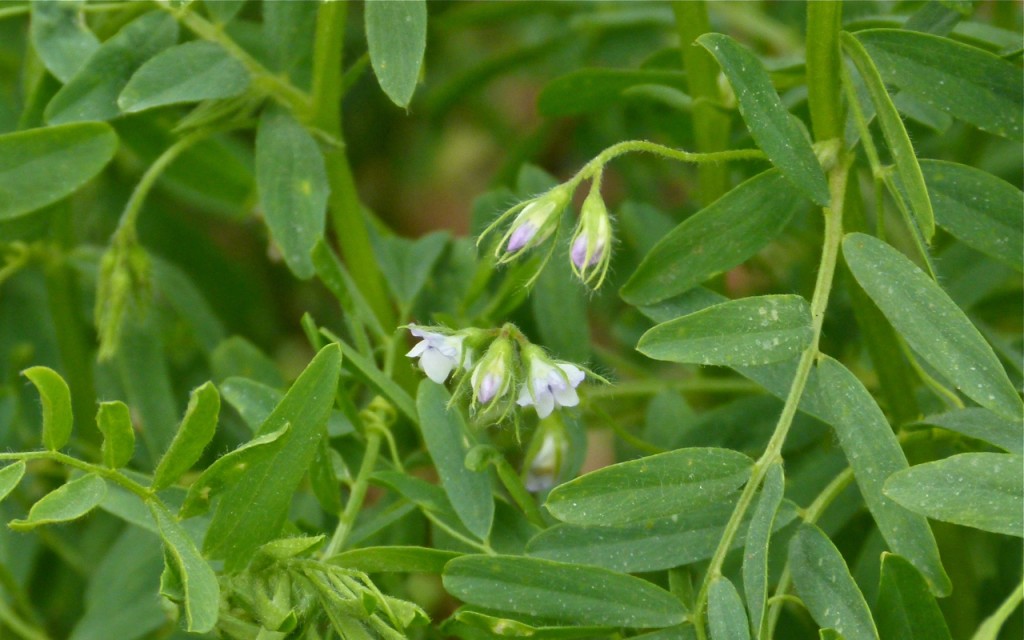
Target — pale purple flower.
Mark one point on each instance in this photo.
(488, 385)
(438, 353)
(579, 252)
(522, 234)
(550, 385)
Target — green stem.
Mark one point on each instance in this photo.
(514, 484)
(106, 473)
(710, 126)
(992, 624)
(19, 627)
(278, 87)
(355, 499)
(126, 225)
(644, 146)
(773, 452)
(825, 498)
(346, 211)
(823, 60)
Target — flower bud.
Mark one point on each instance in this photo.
(491, 378)
(591, 245)
(536, 222)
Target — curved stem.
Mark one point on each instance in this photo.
(106, 473)
(355, 499)
(773, 452)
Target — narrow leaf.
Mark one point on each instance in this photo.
(497, 626)
(755, 556)
(10, 476)
(194, 433)
(983, 424)
(198, 581)
(931, 323)
(561, 593)
(895, 134)
(978, 208)
(905, 608)
(726, 617)
(369, 373)
(716, 238)
(292, 184)
(653, 545)
(61, 38)
(444, 433)
(767, 119)
(661, 485)
(227, 469)
(91, 94)
(966, 82)
(836, 396)
(254, 509)
(823, 582)
(190, 72)
(396, 35)
(67, 502)
(41, 166)
(395, 559)
(115, 423)
(56, 398)
(749, 331)
(980, 490)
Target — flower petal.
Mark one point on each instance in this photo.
(525, 399)
(436, 365)
(545, 404)
(566, 397)
(573, 373)
(418, 349)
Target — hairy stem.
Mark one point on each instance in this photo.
(819, 302)
(355, 499)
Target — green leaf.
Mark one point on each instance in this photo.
(931, 323)
(196, 430)
(292, 184)
(408, 263)
(755, 556)
(61, 37)
(716, 238)
(198, 581)
(836, 396)
(980, 490)
(505, 627)
(661, 485)
(190, 72)
(91, 94)
(907, 168)
(10, 476)
(750, 331)
(588, 90)
(824, 584)
(982, 424)
(223, 11)
(56, 398)
(115, 423)
(444, 432)
(68, 502)
(41, 166)
(726, 617)
(978, 208)
(560, 310)
(653, 545)
(395, 559)
(771, 126)
(966, 82)
(227, 469)
(905, 607)
(396, 35)
(254, 509)
(369, 373)
(561, 593)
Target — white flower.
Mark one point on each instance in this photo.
(438, 353)
(550, 385)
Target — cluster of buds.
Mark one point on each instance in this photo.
(511, 371)
(537, 219)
